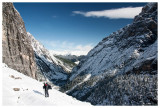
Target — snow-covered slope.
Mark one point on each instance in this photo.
(122, 68)
(19, 89)
(48, 65)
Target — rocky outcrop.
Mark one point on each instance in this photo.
(17, 50)
(122, 68)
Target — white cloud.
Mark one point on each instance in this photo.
(65, 47)
(127, 13)
(84, 48)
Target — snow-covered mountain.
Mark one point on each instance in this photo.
(48, 65)
(19, 89)
(122, 68)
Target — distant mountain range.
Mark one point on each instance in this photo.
(73, 59)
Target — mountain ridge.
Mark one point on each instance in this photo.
(48, 65)
(127, 56)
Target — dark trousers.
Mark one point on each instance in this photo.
(46, 93)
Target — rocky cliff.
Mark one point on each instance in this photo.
(122, 68)
(17, 50)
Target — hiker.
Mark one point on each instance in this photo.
(46, 87)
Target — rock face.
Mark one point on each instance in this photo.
(122, 68)
(17, 50)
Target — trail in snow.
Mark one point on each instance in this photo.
(30, 91)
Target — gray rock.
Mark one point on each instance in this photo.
(17, 51)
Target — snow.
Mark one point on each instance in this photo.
(85, 79)
(31, 92)
(77, 62)
(135, 54)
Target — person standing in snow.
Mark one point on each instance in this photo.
(46, 87)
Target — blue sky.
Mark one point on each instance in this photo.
(75, 27)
